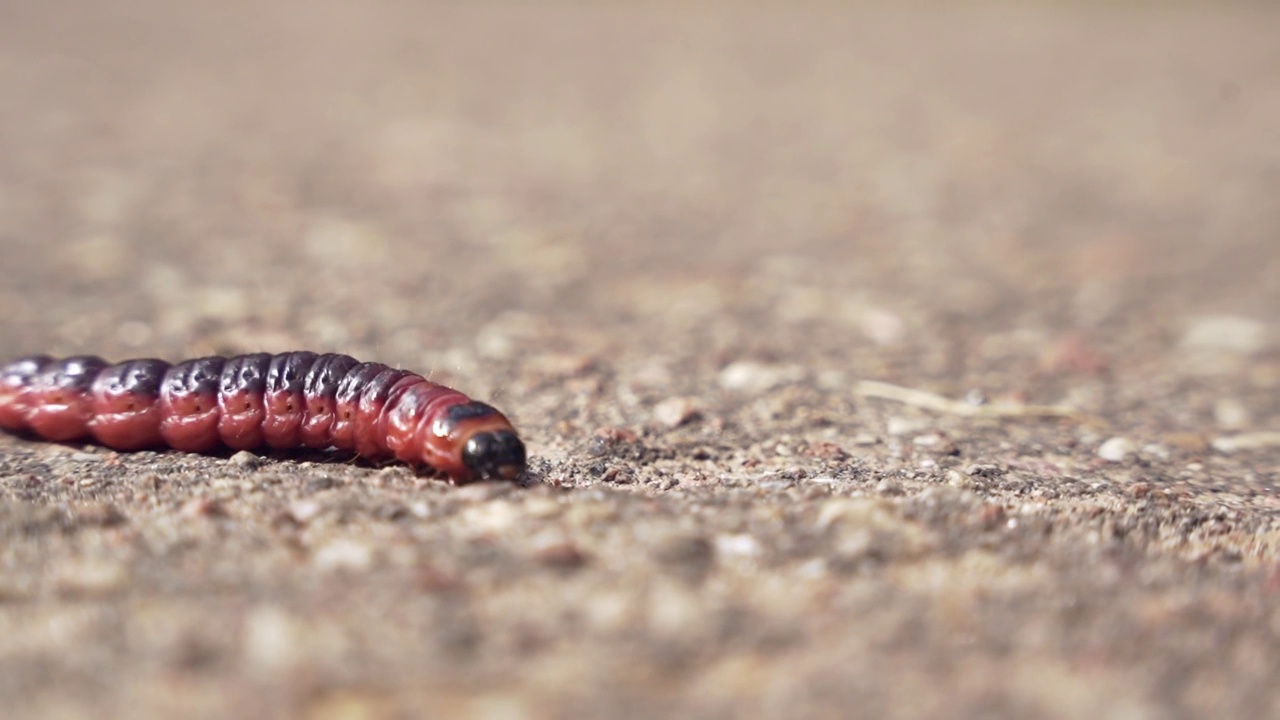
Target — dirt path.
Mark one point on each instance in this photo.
(774, 296)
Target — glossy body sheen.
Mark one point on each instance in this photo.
(290, 400)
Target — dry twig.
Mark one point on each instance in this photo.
(938, 403)
(1246, 441)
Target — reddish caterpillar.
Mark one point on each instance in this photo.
(290, 400)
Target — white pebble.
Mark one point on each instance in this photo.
(898, 425)
(304, 511)
(1157, 451)
(813, 569)
(753, 376)
(91, 578)
(1231, 414)
(1116, 449)
(1225, 332)
(674, 412)
(343, 554)
(491, 517)
(271, 639)
(882, 327)
(832, 380)
(244, 458)
(738, 547)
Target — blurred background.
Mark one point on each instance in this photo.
(394, 177)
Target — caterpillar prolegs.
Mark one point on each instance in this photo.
(289, 400)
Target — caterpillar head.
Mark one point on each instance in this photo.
(494, 455)
(481, 442)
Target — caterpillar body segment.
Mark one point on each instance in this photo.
(246, 402)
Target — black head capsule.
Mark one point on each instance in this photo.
(495, 455)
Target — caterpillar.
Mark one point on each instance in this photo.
(289, 400)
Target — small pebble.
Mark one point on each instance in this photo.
(1116, 449)
(271, 638)
(392, 476)
(813, 569)
(553, 549)
(304, 511)
(491, 517)
(1231, 414)
(898, 425)
(738, 547)
(750, 376)
(91, 578)
(826, 451)
(1074, 352)
(955, 478)
(889, 487)
(883, 327)
(936, 442)
(987, 471)
(202, 508)
(1225, 332)
(1140, 489)
(244, 458)
(343, 554)
(1156, 451)
(674, 412)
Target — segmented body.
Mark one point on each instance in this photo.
(289, 400)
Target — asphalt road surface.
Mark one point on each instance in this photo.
(912, 363)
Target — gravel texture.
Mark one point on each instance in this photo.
(885, 363)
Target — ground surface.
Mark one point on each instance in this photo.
(672, 241)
